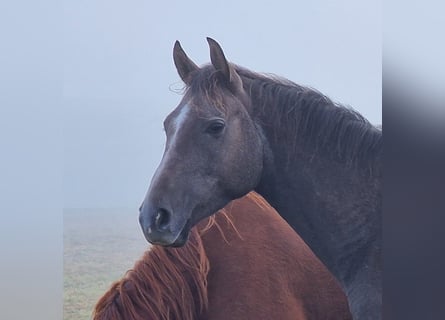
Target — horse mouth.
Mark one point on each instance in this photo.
(183, 236)
(180, 239)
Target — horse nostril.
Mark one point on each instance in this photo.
(162, 219)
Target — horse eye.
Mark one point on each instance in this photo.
(216, 127)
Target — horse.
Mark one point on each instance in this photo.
(318, 163)
(229, 269)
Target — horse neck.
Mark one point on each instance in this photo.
(334, 206)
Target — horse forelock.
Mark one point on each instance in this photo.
(166, 283)
(207, 87)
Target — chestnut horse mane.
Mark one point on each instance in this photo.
(166, 283)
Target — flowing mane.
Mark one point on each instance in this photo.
(166, 283)
(302, 115)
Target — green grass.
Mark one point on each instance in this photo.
(99, 246)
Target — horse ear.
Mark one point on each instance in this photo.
(221, 64)
(183, 64)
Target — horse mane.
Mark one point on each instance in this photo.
(167, 283)
(303, 116)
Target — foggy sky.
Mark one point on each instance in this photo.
(119, 74)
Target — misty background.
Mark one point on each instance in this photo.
(119, 79)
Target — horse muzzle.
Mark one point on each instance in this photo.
(159, 227)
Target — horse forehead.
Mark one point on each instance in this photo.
(192, 110)
(177, 116)
(180, 115)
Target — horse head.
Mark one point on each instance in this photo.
(213, 153)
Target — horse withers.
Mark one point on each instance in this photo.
(244, 263)
(317, 162)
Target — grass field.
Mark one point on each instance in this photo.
(99, 246)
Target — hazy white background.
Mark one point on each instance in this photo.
(118, 68)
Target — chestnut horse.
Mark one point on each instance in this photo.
(231, 268)
(318, 163)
